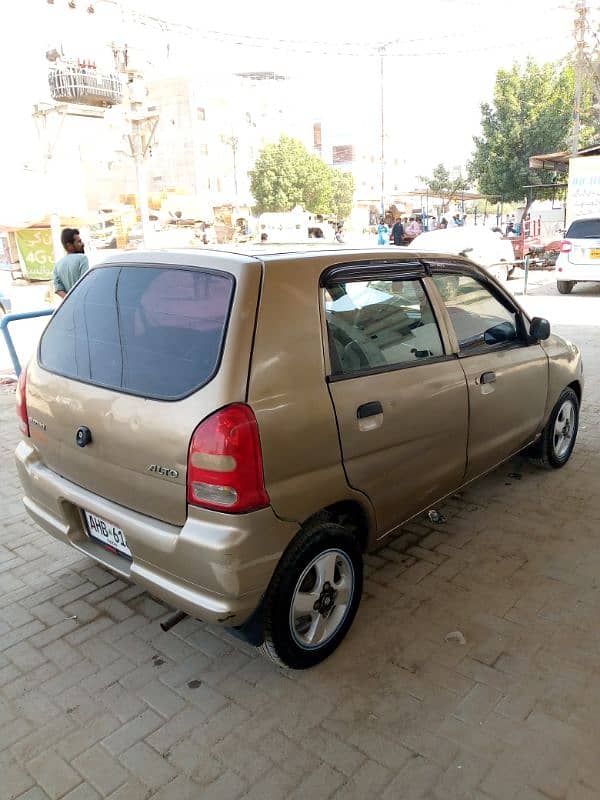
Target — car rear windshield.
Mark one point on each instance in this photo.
(584, 229)
(150, 331)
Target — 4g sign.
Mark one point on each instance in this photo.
(36, 252)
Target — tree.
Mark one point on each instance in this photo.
(343, 193)
(286, 175)
(531, 113)
(443, 185)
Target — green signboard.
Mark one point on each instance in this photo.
(36, 253)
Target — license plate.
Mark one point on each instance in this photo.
(107, 534)
(595, 252)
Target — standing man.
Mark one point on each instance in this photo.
(398, 232)
(71, 267)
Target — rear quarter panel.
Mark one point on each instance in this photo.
(288, 392)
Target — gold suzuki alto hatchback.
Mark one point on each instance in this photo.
(233, 432)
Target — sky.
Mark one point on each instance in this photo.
(439, 67)
(440, 63)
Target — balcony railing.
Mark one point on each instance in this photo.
(85, 86)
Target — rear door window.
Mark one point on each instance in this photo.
(150, 331)
(584, 229)
(380, 324)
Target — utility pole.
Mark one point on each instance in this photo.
(143, 128)
(234, 148)
(42, 117)
(233, 142)
(581, 11)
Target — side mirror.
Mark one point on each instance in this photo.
(539, 329)
(503, 332)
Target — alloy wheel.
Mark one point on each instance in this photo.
(564, 429)
(321, 599)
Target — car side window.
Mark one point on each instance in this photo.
(379, 323)
(479, 319)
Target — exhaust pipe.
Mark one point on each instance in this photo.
(172, 621)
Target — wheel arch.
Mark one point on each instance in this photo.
(576, 386)
(349, 513)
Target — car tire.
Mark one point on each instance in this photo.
(555, 445)
(565, 287)
(304, 620)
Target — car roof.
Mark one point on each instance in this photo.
(168, 257)
(222, 259)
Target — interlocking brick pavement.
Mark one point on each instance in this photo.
(109, 706)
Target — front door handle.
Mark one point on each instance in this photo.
(488, 377)
(369, 409)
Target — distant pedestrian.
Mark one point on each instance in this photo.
(398, 232)
(414, 228)
(443, 224)
(71, 267)
(264, 237)
(382, 232)
(433, 223)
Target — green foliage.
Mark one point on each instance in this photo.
(531, 113)
(342, 184)
(442, 184)
(286, 174)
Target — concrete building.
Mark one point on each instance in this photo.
(209, 135)
(344, 146)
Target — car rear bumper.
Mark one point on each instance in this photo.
(215, 568)
(566, 271)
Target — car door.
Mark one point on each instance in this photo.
(400, 398)
(506, 373)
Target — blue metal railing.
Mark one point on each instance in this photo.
(4, 323)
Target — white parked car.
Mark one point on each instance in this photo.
(579, 257)
(481, 245)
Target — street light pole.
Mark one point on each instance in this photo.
(381, 81)
(382, 52)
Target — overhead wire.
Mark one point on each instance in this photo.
(377, 52)
(351, 49)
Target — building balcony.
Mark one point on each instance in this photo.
(85, 86)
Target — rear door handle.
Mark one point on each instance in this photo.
(369, 409)
(488, 377)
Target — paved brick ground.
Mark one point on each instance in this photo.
(106, 705)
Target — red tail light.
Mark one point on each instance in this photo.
(22, 403)
(566, 246)
(225, 469)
